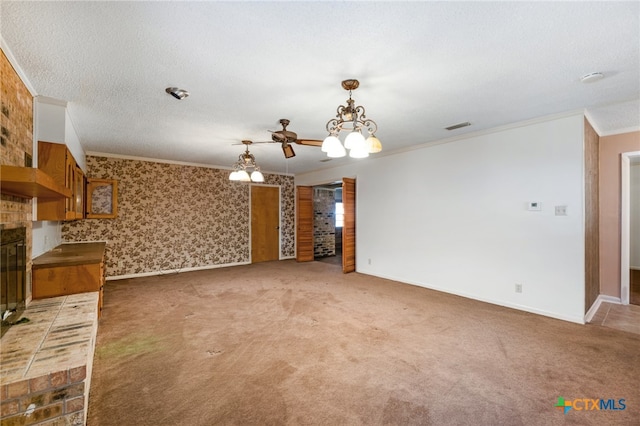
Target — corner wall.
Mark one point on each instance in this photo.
(453, 217)
(610, 187)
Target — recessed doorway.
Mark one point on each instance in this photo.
(630, 229)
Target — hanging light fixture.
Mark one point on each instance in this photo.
(246, 162)
(351, 119)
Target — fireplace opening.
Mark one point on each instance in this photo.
(13, 271)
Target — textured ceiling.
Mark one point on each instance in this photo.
(422, 66)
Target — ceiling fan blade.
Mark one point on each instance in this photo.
(310, 142)
(252, 142)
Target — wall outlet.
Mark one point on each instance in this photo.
(518, 288)
(369, 261)
(46, 241)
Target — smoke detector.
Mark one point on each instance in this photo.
(179, 94)
(591, 77)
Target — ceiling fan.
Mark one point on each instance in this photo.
(286, 137)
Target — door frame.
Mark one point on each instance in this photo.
(331, 182)
(625, 223)
(279, 220)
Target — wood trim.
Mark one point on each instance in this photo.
(93, 184)
(27, 182)
(304, 223)
(349, 226)
(592, 218)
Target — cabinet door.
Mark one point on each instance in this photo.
(54, 159)
(69, 182)
(79, 193)
(102, 198)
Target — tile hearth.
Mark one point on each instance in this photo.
(46, 362)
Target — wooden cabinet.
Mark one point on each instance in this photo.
(102, 198)
(79, 193)
(55, 160)
(69, 269)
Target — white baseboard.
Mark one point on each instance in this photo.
(570, 318)
(596, 305)
(174, 271)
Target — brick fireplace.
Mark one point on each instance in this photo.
(13, 271)
(45, 361)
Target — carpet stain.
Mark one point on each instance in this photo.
(130, 345)
(410, 413)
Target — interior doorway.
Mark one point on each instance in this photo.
(325, 229)
(265, 223)
(327, 223)
(630, 228)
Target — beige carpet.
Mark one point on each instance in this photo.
(302, 344)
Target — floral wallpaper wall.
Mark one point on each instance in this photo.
(172, 217)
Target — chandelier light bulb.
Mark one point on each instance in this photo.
(243, 176)
(337, 151)
(330, 143)
(234, 175)
(373, 144)
(353, 140)
(359, 151)
(257, 176)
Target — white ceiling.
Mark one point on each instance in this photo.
(422, 66)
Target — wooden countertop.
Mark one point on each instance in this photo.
(71, 254)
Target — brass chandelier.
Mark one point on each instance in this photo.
(351, 119)
(246, 162)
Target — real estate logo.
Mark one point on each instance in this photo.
(589, 404)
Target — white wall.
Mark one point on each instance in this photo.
(453, 216)
(634, 222)
(46, 235)
(53, 124)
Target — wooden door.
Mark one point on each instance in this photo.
(304, 223)
(265, 223)
(349, 226)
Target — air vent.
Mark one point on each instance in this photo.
(325, 160)
(458, 126)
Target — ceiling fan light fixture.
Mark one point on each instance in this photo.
(288, 151)
(246, 161)
(353, 119)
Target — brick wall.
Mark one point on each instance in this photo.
(16, 140)
(324, 223)
(57, 397)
